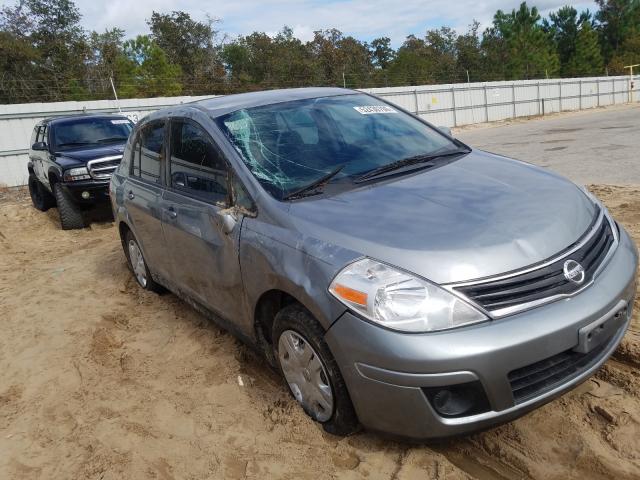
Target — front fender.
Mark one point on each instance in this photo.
(273, 258)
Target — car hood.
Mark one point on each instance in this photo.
(478, 216)
(83, 155)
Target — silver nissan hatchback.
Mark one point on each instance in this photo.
(399, 279)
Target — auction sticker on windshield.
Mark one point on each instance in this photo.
(369, 109)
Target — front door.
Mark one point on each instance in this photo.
(202, 247)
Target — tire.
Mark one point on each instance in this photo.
(40, 197)
(71, 217)
(138, 265)
(294, 322)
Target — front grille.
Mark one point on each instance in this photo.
(102, 168)
(540, 377)
(536, 286)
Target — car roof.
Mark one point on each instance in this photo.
(218, 106)
(80, 116)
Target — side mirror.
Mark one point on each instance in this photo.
(446, 131)
(39, 146)
(227, 221)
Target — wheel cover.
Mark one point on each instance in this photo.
(306, 375)
(137, 262)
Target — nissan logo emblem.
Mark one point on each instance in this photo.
(573, 271)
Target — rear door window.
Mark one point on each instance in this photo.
(148, 152)
(196, 166)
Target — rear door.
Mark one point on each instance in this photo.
(143, 194)
(203, 249)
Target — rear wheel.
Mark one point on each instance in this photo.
(70, 214)
(137, 263)
(40, 197)
(310, 370)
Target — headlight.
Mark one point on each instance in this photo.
(400, 301)
(73, 174)
(596, 201)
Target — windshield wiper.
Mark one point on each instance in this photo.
(314, 187)
(111, 139)
(73, 144)
(405, 162)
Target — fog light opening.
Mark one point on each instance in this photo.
(458, 400)
(86, 195)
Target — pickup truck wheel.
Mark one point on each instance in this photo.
(70, 214)
(40, 197)
(138, 265)
(311, 372)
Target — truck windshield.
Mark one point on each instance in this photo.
(83, 132)
(292, 144)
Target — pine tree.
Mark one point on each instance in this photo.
(587, 59)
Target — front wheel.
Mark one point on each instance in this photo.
(71, 217)
(311, 372)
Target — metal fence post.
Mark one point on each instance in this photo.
(580, 94)
(538, 97)
(513, 98)
(560, 95)
(415, 98)
(598, 91)
(486, 104)
(613, 91)
(453, 102)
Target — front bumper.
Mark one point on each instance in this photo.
(386, 371)
(98, 191)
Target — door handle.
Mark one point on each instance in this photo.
(171, 213)
(131, 195)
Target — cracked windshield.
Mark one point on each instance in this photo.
(291, 145)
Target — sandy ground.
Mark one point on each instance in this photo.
(101, 380)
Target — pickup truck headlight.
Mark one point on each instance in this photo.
(399, 300)
(74, 174)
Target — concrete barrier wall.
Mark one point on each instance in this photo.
(443, 105)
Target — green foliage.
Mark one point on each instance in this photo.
(586, 60)
(191, 45)
(45, 54)
(149, 72)
(523, 47)
(563, 27)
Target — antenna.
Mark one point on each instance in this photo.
(115, 94)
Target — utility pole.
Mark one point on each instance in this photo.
(630, 67)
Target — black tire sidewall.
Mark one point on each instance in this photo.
(35, 190)
(294, 317)
(70, 214)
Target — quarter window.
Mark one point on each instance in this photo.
(196, 165)
(42, 134)
(147, 153)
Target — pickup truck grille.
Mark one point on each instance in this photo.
(535, 286)
(540, 377)
(102, 168)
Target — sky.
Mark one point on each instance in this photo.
(364, 19)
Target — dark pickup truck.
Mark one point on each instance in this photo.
(71, 160)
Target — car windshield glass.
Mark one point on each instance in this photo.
(84, 132)
(292, 144)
